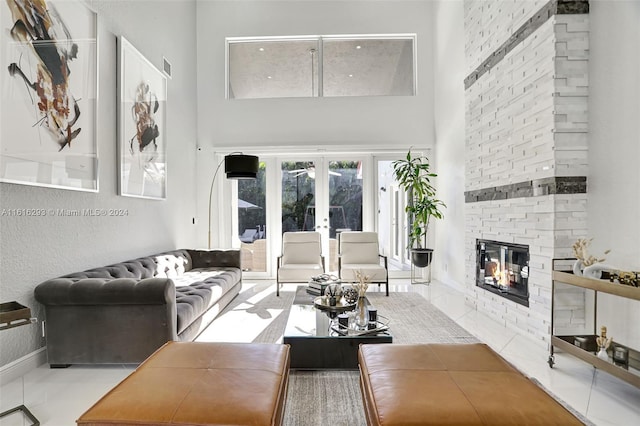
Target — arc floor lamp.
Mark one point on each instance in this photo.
(236, 166)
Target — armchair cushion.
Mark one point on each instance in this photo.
(301, 247)
(359, 252)
(301, 257)
(376, 273)
(297, 273)
(359, 247)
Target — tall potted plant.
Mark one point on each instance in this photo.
(414, 176)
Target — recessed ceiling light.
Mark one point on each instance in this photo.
(358, 47)
(269, 77)
(261, 49)
(350, 75)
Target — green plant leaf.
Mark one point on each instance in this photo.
(413, 175)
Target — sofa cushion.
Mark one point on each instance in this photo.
(164, 265)
(199, 289)
(172, 264)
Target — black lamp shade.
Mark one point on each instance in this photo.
(240, 166)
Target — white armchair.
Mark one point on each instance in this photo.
(359, 251)
(301, 258)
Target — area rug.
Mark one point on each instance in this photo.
(318, 398)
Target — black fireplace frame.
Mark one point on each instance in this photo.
(494, 288)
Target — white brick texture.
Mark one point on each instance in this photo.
(526, 119)
(489, 23)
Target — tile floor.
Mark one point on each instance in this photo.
(58, 397)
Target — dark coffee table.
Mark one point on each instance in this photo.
(315, 345)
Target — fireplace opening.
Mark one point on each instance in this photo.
(503, 269)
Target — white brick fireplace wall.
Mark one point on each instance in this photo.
(526, 146)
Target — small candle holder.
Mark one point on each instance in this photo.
(621, 356)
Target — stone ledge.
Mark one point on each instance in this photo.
(531, 188)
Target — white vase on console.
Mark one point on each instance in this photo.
(577, 268)
(602, 354)
(595, 270)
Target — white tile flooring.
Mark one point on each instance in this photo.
(57, 397)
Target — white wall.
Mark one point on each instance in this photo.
(614, 145)
(364, 120)
(449, 107)
(35, 249)
(382, 122)
(614, 152)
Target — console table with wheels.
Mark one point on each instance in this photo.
(584, 346)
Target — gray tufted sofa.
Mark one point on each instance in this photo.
(122, 313)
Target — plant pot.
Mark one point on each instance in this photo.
(421, 257)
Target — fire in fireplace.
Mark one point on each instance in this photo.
(503, 269)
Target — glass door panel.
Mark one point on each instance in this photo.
(252, 220)
(298, 209)
(391, 221)
(345, 191)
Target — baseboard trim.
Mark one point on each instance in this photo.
(21, 366)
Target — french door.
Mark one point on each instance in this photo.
(328, 194)
(322, 194)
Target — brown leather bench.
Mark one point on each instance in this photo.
(449, 384)
(189, 383)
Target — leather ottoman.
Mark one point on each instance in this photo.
(190, 383)
(458, 384)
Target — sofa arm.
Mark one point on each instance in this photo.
(211, 258)
(102, 291)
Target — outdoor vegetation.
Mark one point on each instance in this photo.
(298, 198)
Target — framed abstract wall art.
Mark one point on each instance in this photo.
(142, 129)
(49, 94)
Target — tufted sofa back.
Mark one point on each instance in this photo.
(165, 265)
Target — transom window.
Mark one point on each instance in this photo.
(321, 66)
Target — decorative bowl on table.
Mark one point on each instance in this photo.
(323, 303)
(350, 295)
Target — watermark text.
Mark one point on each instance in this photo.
(37, 212)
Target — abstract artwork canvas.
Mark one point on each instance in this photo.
(142, 129)
(49, 94)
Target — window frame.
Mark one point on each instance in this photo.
(320, 42)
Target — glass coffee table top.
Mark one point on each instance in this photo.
(318, 341)
(314, 316)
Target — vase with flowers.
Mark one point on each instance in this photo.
(361, 286)
(362, 283)
(603, 344)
